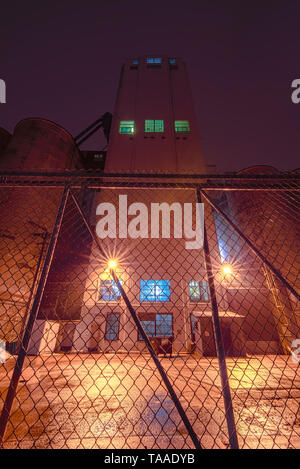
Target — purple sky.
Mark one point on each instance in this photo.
(61, 60)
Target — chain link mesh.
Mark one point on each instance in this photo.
(218, 367)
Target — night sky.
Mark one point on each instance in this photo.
(61, 60)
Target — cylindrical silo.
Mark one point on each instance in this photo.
(268, 221)
(41, 145)
(4, 139)
(27, 216)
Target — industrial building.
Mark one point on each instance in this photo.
(153, 130)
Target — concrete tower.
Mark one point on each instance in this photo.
(154, 129)
(154, 125)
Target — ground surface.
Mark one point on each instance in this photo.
(119, 401)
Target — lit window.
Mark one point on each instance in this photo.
(155, 290)
(163, 325)
(109, 291)
(182, 126)
(127, 127)
(112, 327)
(154, 60)
(194, 326)
(157, 325)
(135, 62)
(148, 324)
(198, 291)
(228, 239)
(154, 125)
(172, 61)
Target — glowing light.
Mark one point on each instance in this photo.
(227, 269)
(112, 264)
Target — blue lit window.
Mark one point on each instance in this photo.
(222, 236)
(198, 291)
(154, 60)
(228, 240)
(112, 327)
(157, 325)
(109, 291)
(172, 61)
(135, 62)
(149, 328)
(163, 325)
(155, 290)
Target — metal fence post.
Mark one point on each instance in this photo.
(11, 393)
(33, 288)
(233, 440)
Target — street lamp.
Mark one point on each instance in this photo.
(112, 264)
(227, 269)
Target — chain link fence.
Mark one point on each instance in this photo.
(129, 320)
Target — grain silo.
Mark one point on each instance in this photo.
(266, 218)
(27, 215)
(4, 139)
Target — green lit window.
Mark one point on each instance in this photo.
(182, 126)
(127, 127)
(154, 125)
(198, 291)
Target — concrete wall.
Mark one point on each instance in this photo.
(154, 93)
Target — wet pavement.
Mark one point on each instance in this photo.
(119, 401)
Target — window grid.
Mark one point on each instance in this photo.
(154, 125)
(127, 127)
(112, 326)
(109, 291)
(182, 126)
(154, 290)
(160, 326)
(198, 291)
(154, 60)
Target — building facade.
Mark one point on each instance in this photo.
(154, 130)
(151, 241)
